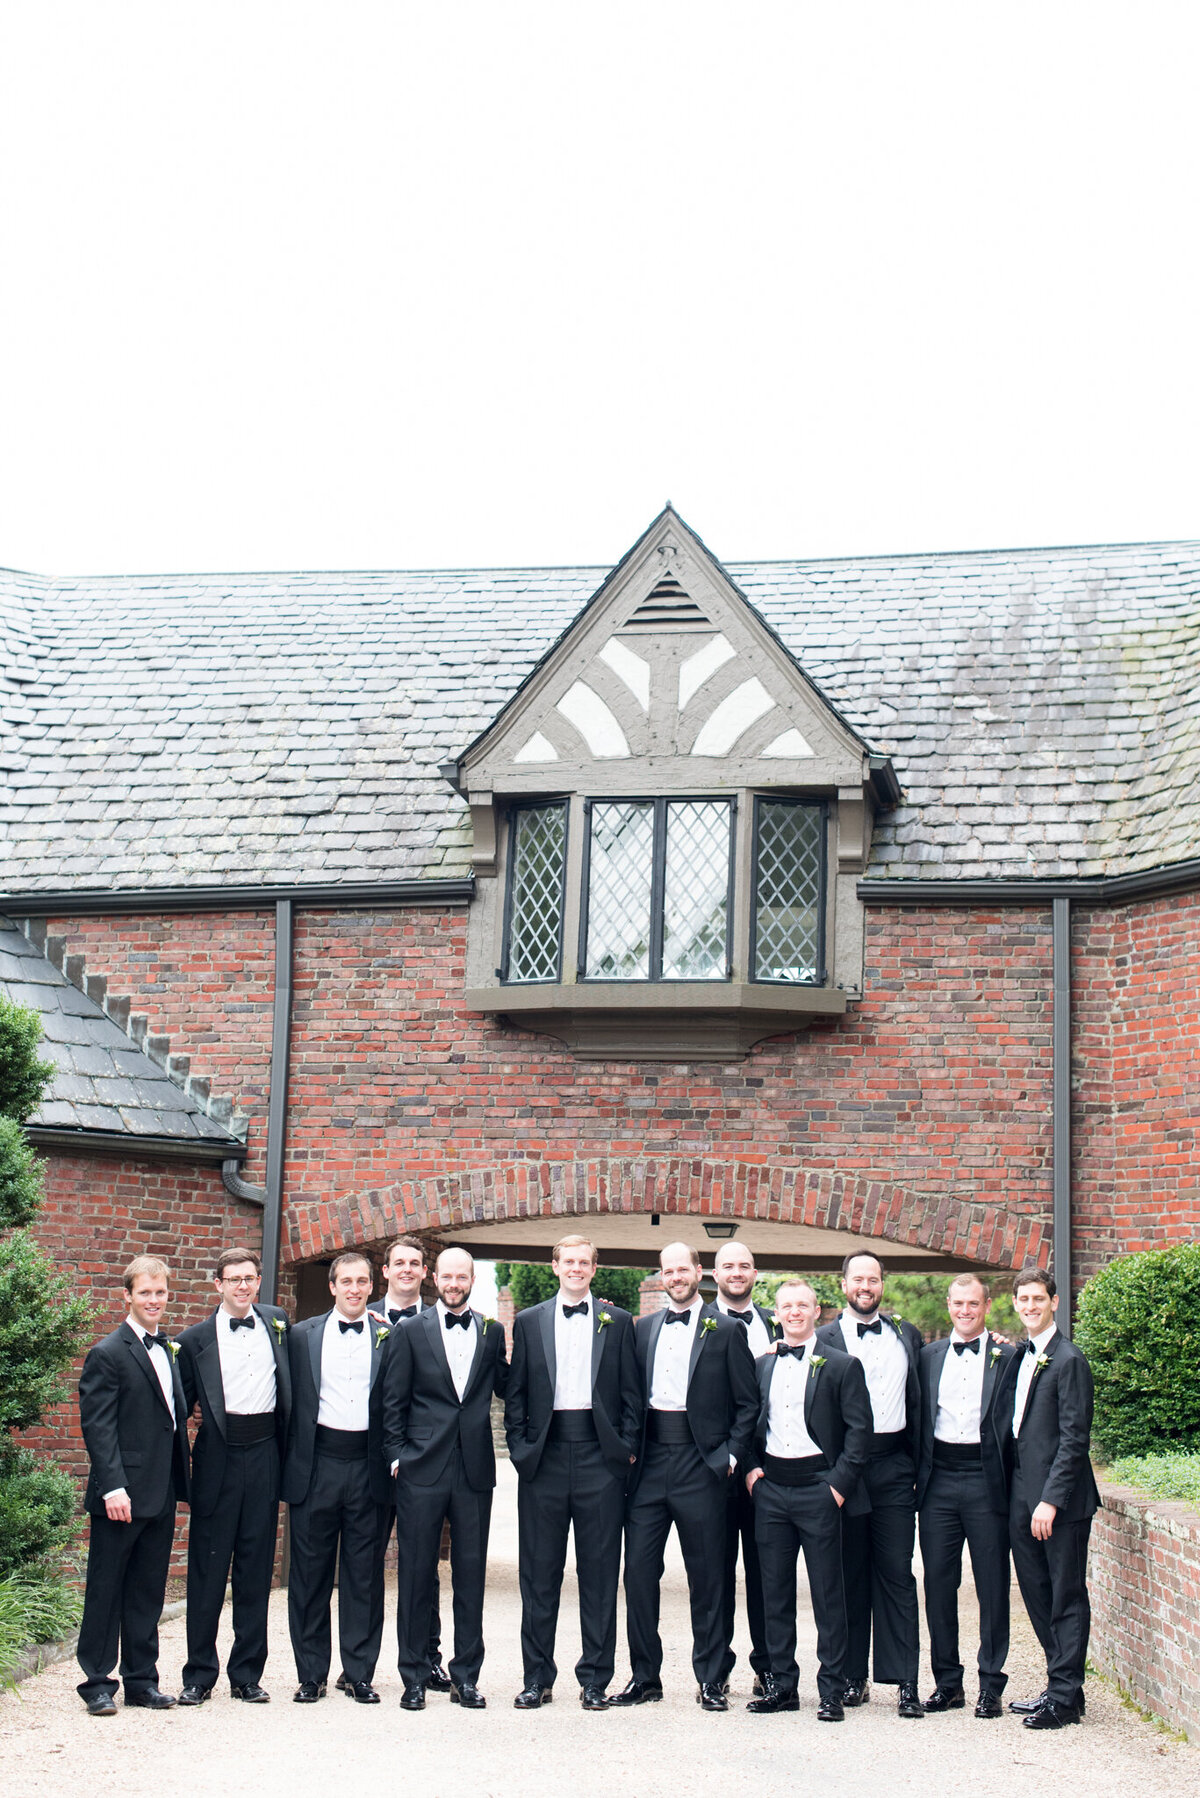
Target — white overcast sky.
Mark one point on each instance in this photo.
(460, 285)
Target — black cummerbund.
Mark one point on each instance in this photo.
(668, 1426)
(957, 1454)
(888, 1442)
(343, 1445)
(242, 1428)
(798, 1470)
(572, 1426)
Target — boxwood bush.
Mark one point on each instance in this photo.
(1139, 1326)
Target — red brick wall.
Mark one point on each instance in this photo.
(1144, 1576)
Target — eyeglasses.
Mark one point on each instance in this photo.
(238, 1279)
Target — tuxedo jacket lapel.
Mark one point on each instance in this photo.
(1050, 1350)
(546, 1321)
(697, 1328)
(278, 1342)
(476, 1358)
(991, 1373)
(376, 1351)
(316, 1339)
(208, 1370)
(430, 1321)
(648, 1343)
(599, 1332)
(812, 1377)
(141, 1355)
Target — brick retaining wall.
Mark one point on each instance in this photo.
(1145, 1586)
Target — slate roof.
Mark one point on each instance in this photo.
(104, 1081)
(1039, 706)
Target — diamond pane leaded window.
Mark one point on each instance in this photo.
(620, 878)
(657, 898)
(539, 841)
(696, 890)
(789, 891)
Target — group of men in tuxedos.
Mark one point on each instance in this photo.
(742, 1429)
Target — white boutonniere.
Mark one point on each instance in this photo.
(174, 1348)
(487, 1324)
(279, 1327)
(603, 1319)
(814, 1362)
(708, 1326)
(1042, 1361)
(380, 1335)
(995, 1354)
(895, 1323)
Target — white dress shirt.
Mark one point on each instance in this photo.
(758, 1335)
(672, 1356)
(345, 1375)
(459, 1345)
(885, 1363)
(960, 1391)
(247, 1365)
(573, 1357)
(787, 1432)
(1025, 1375)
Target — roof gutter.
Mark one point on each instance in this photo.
(354, 895)
(1103, 889)
(64, 1139)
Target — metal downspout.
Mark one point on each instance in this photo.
(1061, 1110)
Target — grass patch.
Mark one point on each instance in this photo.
(1160, 1476)
(34, 1607)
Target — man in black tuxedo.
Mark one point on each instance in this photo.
(877, 1543)
(573, 1419)
(134, 1419)
(1054, 1498)
(962, 1493)
(812, 1440)
(336, 1482)
(701, 1408)
(442, 1370)
(235, 1365)
(735, 1274)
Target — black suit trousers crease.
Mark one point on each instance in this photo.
(420, 1514)
(676, 1486)
(338, 1513)
(788, 1519)
(957, 1510)
(881, 1591)
(573, 1485)
(123, 1599)
(387, 1515)
(1052, 1576)
(739, 1531)
(237, 1535)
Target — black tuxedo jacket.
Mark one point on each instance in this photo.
(837, 1413)
(200, 1369)
(127, 1426)
(304, 1354)
(617, 1396)
(830, 1336)
(722, 1392)
(1056, 1431)
(423, 1417)
(995, 1415)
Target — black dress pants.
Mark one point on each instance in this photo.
(788, 1519)
(957, 1510)
(877, 1557)
(339, 1513)
(676, 1486)
(739, 1530)
(420, 1513)
(238, 1534)
(123, 1600)
(1052, 1576)
(388, 1524)
(573, 1485)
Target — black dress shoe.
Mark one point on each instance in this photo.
(946, 1698)
(830, 1711)
(856, 1692)
(341, 1682)
(195, 1695)
(638, 1691)
(712, 1698)
(150, 1700)
(437, 1679)
(1052, 1716)
(532, 1696)
(361, 1690)
(989, 1705)
(775, 1698)
(412, 1698)
(250, 1694)
(100, 1704)
(593, 1698)
(909, 1704)
(1024, 1707)
(469, 1696)
(309, 1691)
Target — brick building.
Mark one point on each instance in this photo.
(833, 902)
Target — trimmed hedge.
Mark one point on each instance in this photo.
(1139, 1326)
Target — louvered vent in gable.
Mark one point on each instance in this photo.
(667, 608)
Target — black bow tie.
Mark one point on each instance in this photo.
(797, 1349)
(967, 1348)
(1031, 1347)
(407, 1311)
(241, 1323)
(463, 1318)
(579, 1310)
(161, 1341)
(740, 1317)
(343, 1326)
(679, 1317)
(875, 1329)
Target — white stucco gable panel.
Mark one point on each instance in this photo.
(732, 718)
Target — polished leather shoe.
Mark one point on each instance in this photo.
(946, 1698)
(437, 1679)
(361, 1690)
(309, 1690)
(469, 1696)
(1024, 1707)
(989, 1705)
(775, 1698)
(638, 1691)
(532, 1696)
(250, 1694)
(412, 1698)
(856, 1692)
(712, 1698)
(194, 1695)
(150, 1700)
(830, 1711)
(100, 1704)
(909, 1703)
(1052, 1716)
(593, 1698)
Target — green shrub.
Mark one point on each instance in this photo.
(1162, 1476)
(23, 1077)
(34, 1607)
(39, 1510)
(1139, 1326)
